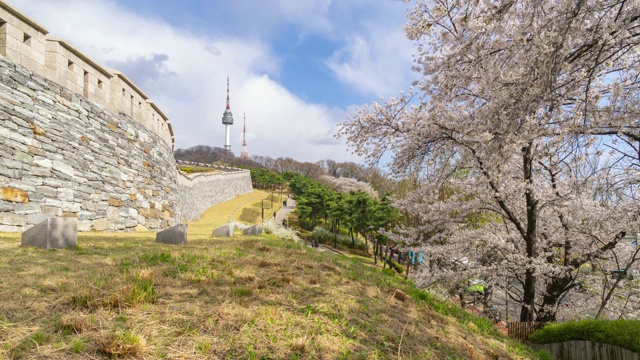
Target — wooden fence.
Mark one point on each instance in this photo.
(585, 350)
(521, 330)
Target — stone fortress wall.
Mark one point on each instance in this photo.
(79, 140)
(200, 191)
(27, 43)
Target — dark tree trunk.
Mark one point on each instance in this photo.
(366, 242)
(530, 238)
(353, 239)
(557, 287)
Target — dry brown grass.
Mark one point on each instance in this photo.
(239, 298)
(125, 296)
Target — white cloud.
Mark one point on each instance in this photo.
(285, 124)
(376, 60)
(188, 78)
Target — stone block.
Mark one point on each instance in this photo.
(37, 218)
(14, 195)
(63, 168)
(65, 194)
(53, 233)
(101, 224)
(252, 230)
(7, 218)
(84, 225)
(5, 206)
(223, 231)
(51, 210)
(176, 235)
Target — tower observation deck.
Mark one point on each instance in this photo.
(227, 120)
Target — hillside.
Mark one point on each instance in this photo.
(123, 295)
(221, 298)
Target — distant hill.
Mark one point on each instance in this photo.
(204, 154)
(346, 175)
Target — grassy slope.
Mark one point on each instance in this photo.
(244, 297)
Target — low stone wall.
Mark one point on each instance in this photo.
(63, 155)
(198, 192)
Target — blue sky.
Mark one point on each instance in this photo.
(297, 67)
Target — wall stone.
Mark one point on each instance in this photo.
(64, 155)
(198, 192)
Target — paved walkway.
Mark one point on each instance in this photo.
(282, 213)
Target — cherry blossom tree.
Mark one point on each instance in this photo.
(523, 126)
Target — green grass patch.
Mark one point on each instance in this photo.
(622, 333)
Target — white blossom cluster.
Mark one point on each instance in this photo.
(524, 128)
(344, 185)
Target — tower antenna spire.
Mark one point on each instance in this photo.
(228, 105)
(244, 154)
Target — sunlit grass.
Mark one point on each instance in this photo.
(124, 295)
(220, 214)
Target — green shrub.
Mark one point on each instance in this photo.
(544, 355)
(622, 333)
(327, 237)
(397, 267)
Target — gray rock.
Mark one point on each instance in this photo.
(37, 218)
(84, 225)
(53, 233)
(7, 218)
(6, 206)
(176, 235)
(63, 168)
(28, 208)
(223, 231)
(51, 210)
(252, 230)
(100, 224)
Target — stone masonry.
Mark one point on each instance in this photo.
(79, 140)
(64, 155)
(199, 192)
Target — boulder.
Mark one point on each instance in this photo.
(252, 230)
(52, 233)
(223, 231)
(175, 235)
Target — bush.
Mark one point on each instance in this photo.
(322, 234)
(325, 236)
(622, 333)
(397, 267)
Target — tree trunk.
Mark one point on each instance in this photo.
(353, 239)
(557, 287)
(366, 242)
(375, 253)
(606, 295)
(530, 238)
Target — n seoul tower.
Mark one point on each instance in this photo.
(227, 120)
